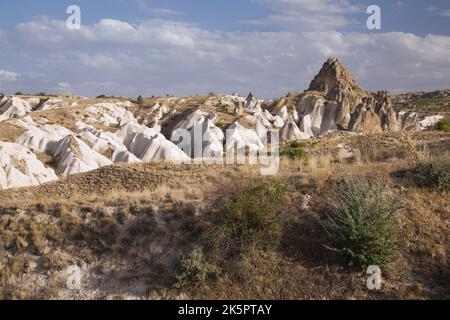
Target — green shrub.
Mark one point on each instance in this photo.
(293, 151)
(250, 218)
(194, 270)
(361, 222)
(443, 125)
(435, 173)
(223, 108)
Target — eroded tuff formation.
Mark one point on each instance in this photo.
(43, 139)
(335, 101)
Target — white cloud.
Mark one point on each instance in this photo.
(304, 15)
(8, 76)
(163, 56)
(64, 86)
(438, 11)
(147, 6)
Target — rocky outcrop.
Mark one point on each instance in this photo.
(335, 101)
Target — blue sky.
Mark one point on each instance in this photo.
(270, 47)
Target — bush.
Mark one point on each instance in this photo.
(443, 125)
(293, 151)
(140, 100)
(435, 173)
(361, 222)
(194, 270)
(250, 218)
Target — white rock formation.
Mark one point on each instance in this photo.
(252, 104)
(206, 138)
(37, 138)
(239, 137)
(278, 122)
(429, 122)
(75, 156)
(283, 114)
(106, 142)
(149, 145)
(112, 113)
(291, 132)
(19, 167)
(13, 107)
(317, 118)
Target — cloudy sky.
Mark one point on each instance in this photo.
(183, 47)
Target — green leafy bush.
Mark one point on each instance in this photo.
(250, 218)
(435, 173)
(194, 270)
(443, 125)
(293, 151)
(361, 222)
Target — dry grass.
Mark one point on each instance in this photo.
(9, 132)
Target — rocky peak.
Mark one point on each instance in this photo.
(334, 78)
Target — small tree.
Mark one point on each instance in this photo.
(140, 100)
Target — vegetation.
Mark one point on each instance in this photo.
(443, 125)
(194, 270)
(435, 173)
(104, 96)
(223, 108)
(293, 151)
(250, 218)
(140, 100)
(361, 222)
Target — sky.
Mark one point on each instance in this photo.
(187, 47)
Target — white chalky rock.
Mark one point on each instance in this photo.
(430, 121)
(291, 132)
(206, 138)
(112, 113)
(103, 142)
(19, 167)
(13, 107)
(239, 137)
(75, 156)
(149, 145)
